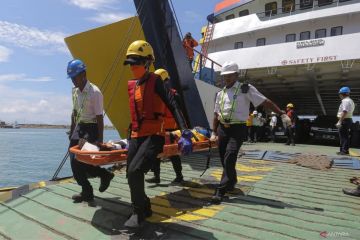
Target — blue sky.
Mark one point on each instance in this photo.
(33, 56)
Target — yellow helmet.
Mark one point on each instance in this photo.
(140, 48)
(290, 105)
(163, 74)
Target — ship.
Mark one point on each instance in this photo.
(274, 199)
(298, 51)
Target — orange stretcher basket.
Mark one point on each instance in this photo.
(117, 156)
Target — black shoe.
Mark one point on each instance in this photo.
(105, 181)
(153, 180)
(178, 180)
(78, 198)
(217, 197)
(287, 143)
(352, 192)
(342, 153)
(231, 188)
(293, 144)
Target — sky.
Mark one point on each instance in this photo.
(33, 55)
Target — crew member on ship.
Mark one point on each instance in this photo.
(231, 110)
(189, 43)
(344, 115)
(290, 129)
(148, 98)
(87, 123)
(169, 126)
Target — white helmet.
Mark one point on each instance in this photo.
(229, 68)
(272, 113)
(255, 112)
(259, 115)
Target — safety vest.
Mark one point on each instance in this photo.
(229, 120)
(146, 108)
(169, 120)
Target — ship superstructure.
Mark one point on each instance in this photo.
(294, 51)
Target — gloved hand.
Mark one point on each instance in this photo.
(213, 137)
(286, 120)
(185, 143)
(338, 124)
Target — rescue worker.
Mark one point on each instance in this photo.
(189, 44)
(273, 122)
(290, 129)
(254, 128)
(229, 125)
(86, 122)
(169, 126)
(344, 115)
(148, 98)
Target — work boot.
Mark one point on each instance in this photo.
(105, 181)
(82, 197)
(153, 180)
(217, 197)
(177, 180)
(342, 153)
(287, 143)
(147, 212)
(352, 192)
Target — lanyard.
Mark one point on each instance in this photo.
(222, 102)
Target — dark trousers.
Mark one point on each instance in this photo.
(142, 153)
(272, 133)
(254, 133)
(344, 132)
(176, 163)
(175, 160)
(290, 133)
(82, 171)
(230, 141)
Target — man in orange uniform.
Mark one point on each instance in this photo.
(148, 98)
(169, 125)
(189, 43)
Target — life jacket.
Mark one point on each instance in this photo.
(169, 120)
(146, 108)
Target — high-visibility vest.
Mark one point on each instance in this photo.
(229, 120)
(146, 108)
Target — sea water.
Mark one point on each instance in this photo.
(32, 155)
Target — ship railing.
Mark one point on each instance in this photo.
(203, 73)
(304, 6)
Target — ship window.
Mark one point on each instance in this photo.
(288, 6)
(238, 45)
(231, 16)
(320, 33)
(324, 2)
(243, 13)
(260, 42)
(305, 35)
(306, 4)
(335, 31)
(290, 37)
(270, 8)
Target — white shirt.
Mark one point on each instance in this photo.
(348, 105)
(90, 100)
(242, 102)
(273, 121)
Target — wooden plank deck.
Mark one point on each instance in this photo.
(273, 200)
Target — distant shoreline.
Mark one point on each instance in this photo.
(53, 126)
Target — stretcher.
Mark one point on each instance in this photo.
(100, 158)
